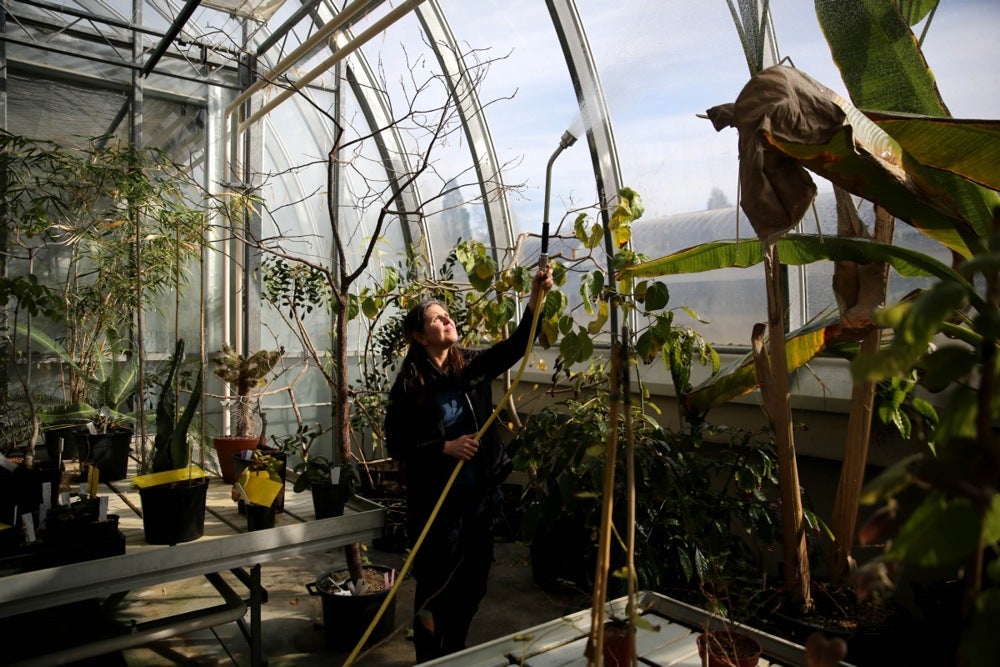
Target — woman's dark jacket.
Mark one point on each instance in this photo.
(414, 432)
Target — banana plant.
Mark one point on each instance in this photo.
(909, 157)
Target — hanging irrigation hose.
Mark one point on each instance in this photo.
(536, 311)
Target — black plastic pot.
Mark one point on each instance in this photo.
(21, 490)
(69, 435)
(328, 499)
(108, 452)
(260, 517)
(174, 512)
(347, 617)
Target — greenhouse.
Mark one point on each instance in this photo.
(372, 332)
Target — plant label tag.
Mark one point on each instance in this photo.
(102, 509)
(43, 514)
(7, 464)
(64, 498)
(93, 477)
(83, 489)
(28, 523)
(242, 492)
(91, 428)
(335, 475)
(46, 494)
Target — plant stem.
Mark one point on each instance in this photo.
(771, 369)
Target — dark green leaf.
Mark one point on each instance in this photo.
(940, 533)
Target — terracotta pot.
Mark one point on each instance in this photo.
(228, 445)
(727, 648)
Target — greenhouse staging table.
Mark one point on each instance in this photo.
(225, 546)
(669, 639)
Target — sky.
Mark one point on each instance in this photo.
(661, 63)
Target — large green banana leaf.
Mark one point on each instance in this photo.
(799, 249)
(969, 148)
(739, 378)
(884, 69)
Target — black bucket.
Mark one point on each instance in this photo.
(347, 617)
(70, 436)
(329, 499)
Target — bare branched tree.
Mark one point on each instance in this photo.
(427, 118)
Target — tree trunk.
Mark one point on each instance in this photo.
(342, 419)
(844, 522)
(771, 368)
(595, 642)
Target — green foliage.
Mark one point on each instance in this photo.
(702, 510)
(171, 449)
(311, 468)
(31, 296)
(293, 287)
(74, 222)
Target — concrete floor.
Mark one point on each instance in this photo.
(293, 632)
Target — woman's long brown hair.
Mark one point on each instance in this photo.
(414, 323)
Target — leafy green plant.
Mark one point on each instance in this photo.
(111, 384)
(311, 468)
(22, 296)
(940, 509)
(703, 508)
(77, 221)
(908, 157)
(171, 447)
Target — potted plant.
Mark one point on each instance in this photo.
(246, 375)
(330, 485)
(728, 648)
(174, 492)
(108, 438)
(258, 486)
(64, 208)
(92, 426)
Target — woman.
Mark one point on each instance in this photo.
(439, 401)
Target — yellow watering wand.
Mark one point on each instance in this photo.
(447, 487)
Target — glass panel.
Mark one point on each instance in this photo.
(530, 106)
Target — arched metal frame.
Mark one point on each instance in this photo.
(582, 70)
(484, 156)
(594, 110)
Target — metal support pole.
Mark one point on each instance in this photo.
(256, 641)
